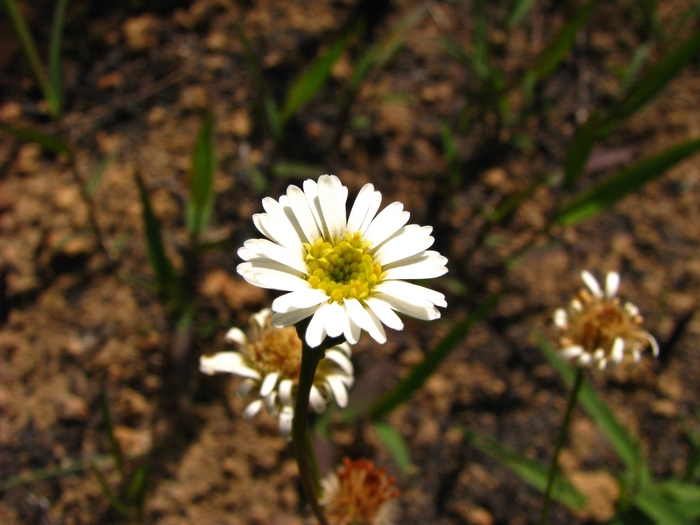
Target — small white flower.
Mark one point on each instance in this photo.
(597, 330)
(346, 273)
(359, 494)
(269, 360)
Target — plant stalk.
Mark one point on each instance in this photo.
(563, 431)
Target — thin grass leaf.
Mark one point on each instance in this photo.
(55, 76)
(654, 81)
(114, 500)
(508, 206)
(295, 170)
(68, 467)
(652, 502)
(686, 496)
(625, 445)
(559, 47)
(163, 270)
(449, 149)
(528, 470)
(94, 181)
(115, 449)
(630, 73)
(28, 45)
(580, 150)
(395, 444)
(47, 142)
(201, 180)
(381, 52)
(136, 493)
(521, 8)
(274, 119)
(405, 388)
(480, 55)
(609, 191)
(313, 80)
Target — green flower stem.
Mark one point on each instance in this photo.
(563, 431)
(303, 449)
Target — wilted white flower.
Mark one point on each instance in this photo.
(598, 330)
(347, 273)
(270, 360)
(358, 494)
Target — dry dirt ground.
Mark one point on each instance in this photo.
(139, 77)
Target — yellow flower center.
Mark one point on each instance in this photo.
(277, 350)
(343, 270)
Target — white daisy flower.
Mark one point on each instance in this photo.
(346, 273)
(597, 330)
(270, 360)
(359, 494)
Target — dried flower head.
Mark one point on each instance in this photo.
(346, 273)
(597, 330)
(359, 494)
(270, 360)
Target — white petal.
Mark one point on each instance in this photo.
(612, 283)
(280, 320)
(365, 207)
(286, 418)
(331, 199)
(282, 213)
(340, 359)
(618, 350)
(426, 265)
(252, 409)
(231, 362)
(377, 331)
(267, 275)
(358, 314)
(299, 300)
(339, 390)
(311, 194)
(632, 309)
(592, 283)
(654, 345)
(277, 253)
(236, 335)
(420, 310)
(345, 348)
(300, 206)
(246, 386)
(410, 292)
(269, 383)
(335, 317)
(281, 233)
(561, 318)
(285, 391)
(407, 242)
(384, 312)
(386, 223)
(351, 331)
(585, 359)
(571, 352)
(316, 400)
(271, 402)
(316, 331)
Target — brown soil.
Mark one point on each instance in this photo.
(140, 78)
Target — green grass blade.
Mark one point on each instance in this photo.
(560, 45)
(115, 449)
(403, 390)
(511, 204)
(274, 119)
(68, 467)
(480, 56)
(295, 170)
(28, 45)
(528, 470)
(201, 180)
(114, 500)
(625, 445)
(395, 444)
(449, 150)
(55, 76)
(163, 270)
(47, 142)
(94, 180)
(580, 150)
(656, 78)
(685, 496)
(614, 188)
(521, 8)
(381, 52)
(313, 79)
(652, 502)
